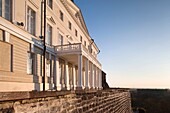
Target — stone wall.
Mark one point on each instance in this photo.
(105, 101)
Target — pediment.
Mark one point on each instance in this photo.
(76, 12)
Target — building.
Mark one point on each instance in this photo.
(71, 56)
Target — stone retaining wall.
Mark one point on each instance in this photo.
(104, 101)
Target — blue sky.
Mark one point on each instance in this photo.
(134, 39)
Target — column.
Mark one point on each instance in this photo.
(91, 76)
(94, 76)
(74, 77)
(100, 79)
(97, 78)
(87, 74)
(67, 76)
(57, 75)
(83, 79)
(79, 84)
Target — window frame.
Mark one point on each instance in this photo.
(76, 33)
(31, 14)
(69, 25)
(61, 15)
(30, 63)
(85, 43)
(49, 31)
(81, 38)
(61, 39)
(4, 8)
(50, 3)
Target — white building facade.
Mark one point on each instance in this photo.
(71, 57)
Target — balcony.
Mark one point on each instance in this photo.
(73, 49)
(68, 49)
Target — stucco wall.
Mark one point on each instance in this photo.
(105, 101)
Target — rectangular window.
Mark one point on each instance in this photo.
(30, 63)
(50, 3)
(0, 7)
(69, 25)
(75, 32)
(31, 21)
(6, 9)
(84, 43)
(48, 71)
(61, 15)
(60, 39)
(49, 35)
(81, 39)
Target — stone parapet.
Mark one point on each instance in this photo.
(88, 101)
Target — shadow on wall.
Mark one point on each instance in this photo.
(104, 83)
(139, 110)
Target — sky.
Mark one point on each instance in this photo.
(134, 39)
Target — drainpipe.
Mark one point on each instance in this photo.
(44, 45)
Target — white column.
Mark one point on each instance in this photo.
(57, 76)
(74, 77)
(67, 76)
(95, 85)
(79, 84)
(100, 79)
(84, 79)
(91, 76)
(87, 74)
(97, 78)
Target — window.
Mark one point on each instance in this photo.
(60, 39)
(6, 9)
(49, 35)
(69, 25)
(85, 43)
(75, 32)
(61, 16)
(48, 64)
(0, 7)
(50, 3)
(81, 39)
(31, 21)
(30, 63)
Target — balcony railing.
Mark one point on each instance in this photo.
(76, 47)
(68, 48)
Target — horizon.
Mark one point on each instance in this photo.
(133, 37)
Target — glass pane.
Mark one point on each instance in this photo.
(8, 8)
(49, 34)
(50, 3)
(31, 21)
(0, 7)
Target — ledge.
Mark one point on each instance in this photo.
(11, 96)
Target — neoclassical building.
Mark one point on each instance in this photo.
(71, 57)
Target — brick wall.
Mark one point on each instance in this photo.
(105, 101)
